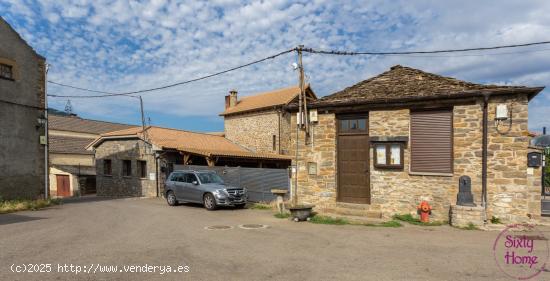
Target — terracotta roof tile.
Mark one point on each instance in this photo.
(266, 100)
(77, 124)
(193, 142)
(401, 83)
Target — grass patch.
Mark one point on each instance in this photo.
(495, 220)
(328, 220)
(408, 218)
(11, 206)
(282, 215)
(392, 223)
(261, 206)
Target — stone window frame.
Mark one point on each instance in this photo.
(142, 168)
(388, 145)
(13, 68)
(126, 168)
(107, 172)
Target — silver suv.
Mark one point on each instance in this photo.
(204, 187)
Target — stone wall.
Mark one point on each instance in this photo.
(22, 157)
(512, 195)
(320, 188)
(255, 130)
(464, 216)
(116, 184)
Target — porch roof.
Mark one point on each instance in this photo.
(192, 142)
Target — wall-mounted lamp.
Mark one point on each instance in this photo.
(502, 112)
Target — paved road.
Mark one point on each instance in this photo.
(148, 232)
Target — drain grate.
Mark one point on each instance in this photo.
(253, 226)
(218, 227)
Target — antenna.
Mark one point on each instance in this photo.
(69, 107)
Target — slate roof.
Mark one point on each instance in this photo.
(267, 100)
(192, 142)
(69, 145)
(77, 124)
(402, 83)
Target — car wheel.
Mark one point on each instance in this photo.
(240, 206)
(209, 202)
(171, 199)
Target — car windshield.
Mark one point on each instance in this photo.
(210, 178)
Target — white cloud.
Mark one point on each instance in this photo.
(119, 45)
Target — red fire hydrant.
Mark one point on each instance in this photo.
(425, 210)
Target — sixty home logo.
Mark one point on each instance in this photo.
(521, 251)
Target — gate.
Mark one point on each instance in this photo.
(258, 181)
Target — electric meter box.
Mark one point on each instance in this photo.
(313, 115)
(534, 159)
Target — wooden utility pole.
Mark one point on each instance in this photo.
(301, 118)
(302, 90)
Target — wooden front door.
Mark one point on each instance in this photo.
(63, 186)
(353, 160)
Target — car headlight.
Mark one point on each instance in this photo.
(220, 193)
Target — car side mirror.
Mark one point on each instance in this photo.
(195, 182)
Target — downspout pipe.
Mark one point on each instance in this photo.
(484, 153)
(47, 139)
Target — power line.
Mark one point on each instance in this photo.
(110, 94)
(346, 53)
(308, 50)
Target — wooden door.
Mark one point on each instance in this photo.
(353, 161)
(63, 186)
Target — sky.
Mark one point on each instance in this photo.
(120, 46)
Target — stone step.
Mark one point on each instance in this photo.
(374, 214)
(353, 219)
(353, 206)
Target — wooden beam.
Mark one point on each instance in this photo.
(186, 157)
(211, 162)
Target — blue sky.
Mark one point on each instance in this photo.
(130, 45)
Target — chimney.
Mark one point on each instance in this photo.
(232, 98)
(227, 101)
(544, 130)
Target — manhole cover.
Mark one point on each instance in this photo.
(218, 227)
(252, 226)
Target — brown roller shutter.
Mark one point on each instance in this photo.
(432, 141)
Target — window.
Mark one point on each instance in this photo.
(388, 155)
(274, 142)
(432, 141)
(142, 168)
(6, 71)
(107, 170)
(126, 168)
(190, 178)
(353, 125)
(177, 177)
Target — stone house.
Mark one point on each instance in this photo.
(72, 167)
(22, 118)
(383, 145)
(136, 162)
(258, 122)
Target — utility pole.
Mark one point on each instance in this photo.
(300, 118)
(142, 116)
